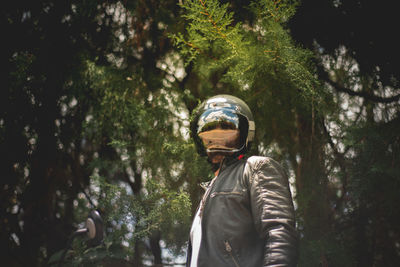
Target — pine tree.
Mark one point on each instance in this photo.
(95, 109)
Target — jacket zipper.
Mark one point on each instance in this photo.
(228, 248)
(207, 193)
(205, 197)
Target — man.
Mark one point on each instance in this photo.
(246, 216)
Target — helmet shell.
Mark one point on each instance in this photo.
(233, 105)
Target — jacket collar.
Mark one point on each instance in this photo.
(228, 161)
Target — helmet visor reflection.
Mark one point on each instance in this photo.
(218, 119)
(220, 139)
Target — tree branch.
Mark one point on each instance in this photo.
(341, 161)
(374, 98)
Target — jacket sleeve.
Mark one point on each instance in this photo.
(272, 210)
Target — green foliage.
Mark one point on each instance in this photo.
(249, 53)
(278, 11)
(209, 24)
(123, 112)
(259, 61)
(128, 219)
(95, 111)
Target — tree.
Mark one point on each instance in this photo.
(95, 109)
(357, 61)
(356, 94)
(83, 105)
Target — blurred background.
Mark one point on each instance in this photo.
(95, 105)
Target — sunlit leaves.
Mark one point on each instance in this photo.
(247, 52)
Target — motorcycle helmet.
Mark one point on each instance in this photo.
(223, 124)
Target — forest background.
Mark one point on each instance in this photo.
(95, 104)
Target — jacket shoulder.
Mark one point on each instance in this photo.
(256, 164)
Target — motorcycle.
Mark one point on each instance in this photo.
(93, 230)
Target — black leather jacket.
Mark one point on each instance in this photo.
(248, 217)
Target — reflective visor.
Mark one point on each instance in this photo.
(218, 118)
(220, 139)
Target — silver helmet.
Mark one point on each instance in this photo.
(222, 123)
